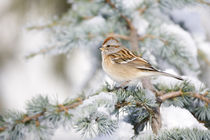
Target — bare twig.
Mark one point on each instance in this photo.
(201, 97)
(120, 105)
(179, 93)
(204, 2)
(50, 25)
(124, 37)
(170, 95)
(146, 107)
(142, 10)
(203, 56)
(156, 123)
(29, 118)
(2, 129)
(206, 93)
(41, 51)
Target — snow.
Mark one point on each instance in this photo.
(78, 73)
(140, 23)
(187, 41)
(196, 82)
(176, 117)
(204, 46)
(103, 103)
(131, 4)
(124, 132)
(63, 134)
(103, 96)
(165, 80)
(35, 80)
(191, 19)
(183, 35)
(96, 23)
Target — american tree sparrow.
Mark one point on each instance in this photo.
(123, 66)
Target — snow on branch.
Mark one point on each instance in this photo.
(96, 109)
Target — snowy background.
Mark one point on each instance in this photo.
(61, 77)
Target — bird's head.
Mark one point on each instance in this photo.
(110, 45)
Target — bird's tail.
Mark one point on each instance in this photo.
(171, 75)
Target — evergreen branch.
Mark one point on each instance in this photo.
(130, 25)
(179, 93)
(138, 104)
(41, 27)
(27, 118)
(61, 108)
(124, 37)
(41, 51)
(170, 95)
(153, 37)
(137, 101)
(133, 37)
(201, 97)
(121, 104)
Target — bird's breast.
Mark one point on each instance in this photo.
(119, 72)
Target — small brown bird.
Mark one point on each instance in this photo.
(123, 66)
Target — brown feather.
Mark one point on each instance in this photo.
(125, 55)
(110, 38)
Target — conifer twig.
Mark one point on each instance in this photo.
(201, 97)
(133, 37)
(179, 93)
(124, 37)
(153, 37)
(61, 108)
(41, 51)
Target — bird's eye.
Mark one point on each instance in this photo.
(108, 46)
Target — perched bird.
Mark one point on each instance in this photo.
(123, 66)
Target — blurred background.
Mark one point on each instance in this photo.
(59, 75)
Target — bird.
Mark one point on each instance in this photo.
(122, 65)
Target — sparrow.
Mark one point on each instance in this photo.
(122, 65)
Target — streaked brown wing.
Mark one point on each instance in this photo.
(139, 64)
(125, 57)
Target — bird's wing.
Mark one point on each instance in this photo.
(125, 57)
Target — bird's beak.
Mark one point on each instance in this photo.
(102, 48)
